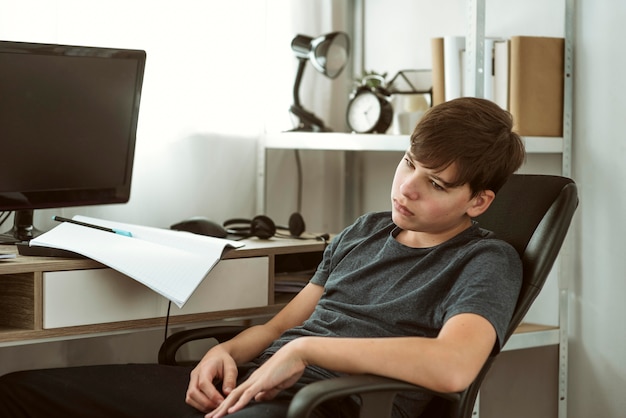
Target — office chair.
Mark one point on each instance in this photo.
(533, 214)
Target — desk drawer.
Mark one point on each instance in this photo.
(86, 297)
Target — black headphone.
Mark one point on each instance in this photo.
(263, 227)
(260, 226)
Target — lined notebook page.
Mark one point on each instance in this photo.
(172, 263)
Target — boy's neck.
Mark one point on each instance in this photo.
(419, 239)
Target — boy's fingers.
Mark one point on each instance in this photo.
(229, 381)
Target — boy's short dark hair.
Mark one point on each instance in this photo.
(474, 133)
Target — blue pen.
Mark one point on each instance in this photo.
(102, 228)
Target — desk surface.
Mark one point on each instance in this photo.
(253, 247)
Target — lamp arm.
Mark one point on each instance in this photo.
(296, 85)
(308, 121)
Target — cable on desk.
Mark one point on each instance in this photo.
(299, 177)
(167, 319)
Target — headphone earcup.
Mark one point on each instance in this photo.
(262, 227)
(296, 224)
(238, 226)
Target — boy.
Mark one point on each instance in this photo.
(418, 294)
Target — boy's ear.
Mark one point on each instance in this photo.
(480, 203)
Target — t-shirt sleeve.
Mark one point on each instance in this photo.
(488, 286)
(325, 266)
(323, 269)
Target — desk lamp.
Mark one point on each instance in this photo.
(329, 55)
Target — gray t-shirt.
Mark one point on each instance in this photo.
(375, 286)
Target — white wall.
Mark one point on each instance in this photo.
(598, 342)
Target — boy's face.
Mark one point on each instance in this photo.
(427, 208)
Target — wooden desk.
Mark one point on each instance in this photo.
(46, 298)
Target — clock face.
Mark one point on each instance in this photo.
(364, 112)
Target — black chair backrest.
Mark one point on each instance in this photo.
(533, 214)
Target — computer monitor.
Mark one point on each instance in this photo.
(68, 122)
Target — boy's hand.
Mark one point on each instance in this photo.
(281, 371)
(216, 365)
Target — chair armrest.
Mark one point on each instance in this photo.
(167, 352)
(377, 394)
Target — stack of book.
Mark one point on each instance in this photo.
(522, 74)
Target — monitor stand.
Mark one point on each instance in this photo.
(23, 229)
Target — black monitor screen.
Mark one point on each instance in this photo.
(68, 121)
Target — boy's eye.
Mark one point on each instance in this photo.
(409, 163)
(436, 186)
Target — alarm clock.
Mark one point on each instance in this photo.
(369, 108)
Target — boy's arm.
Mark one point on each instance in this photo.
(252, 341)
(447, 363)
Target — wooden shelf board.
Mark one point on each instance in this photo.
(529, 335)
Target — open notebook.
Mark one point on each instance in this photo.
(172, 263)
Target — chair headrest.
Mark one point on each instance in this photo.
(520, 205)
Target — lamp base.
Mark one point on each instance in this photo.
(308, 121)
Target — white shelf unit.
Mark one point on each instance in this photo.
(338, 141)
(538, 336)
